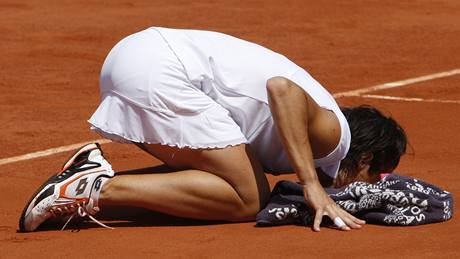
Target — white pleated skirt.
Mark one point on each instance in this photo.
(146, 97)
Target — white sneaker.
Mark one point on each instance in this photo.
(74, 191)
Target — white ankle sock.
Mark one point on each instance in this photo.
(96, 191)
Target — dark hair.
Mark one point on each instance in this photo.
(372, 133)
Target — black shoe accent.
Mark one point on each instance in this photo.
(48, 192)
(76, 166)
(22, 227)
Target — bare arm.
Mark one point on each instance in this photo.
(292, 111)
(297, 117)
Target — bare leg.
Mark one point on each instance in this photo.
(216, 184)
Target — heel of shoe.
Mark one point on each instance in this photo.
(85, 148)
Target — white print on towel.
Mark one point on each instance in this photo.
(447, 210)
(282, 213)
(395, 200)
(401, 207)
(424, 189)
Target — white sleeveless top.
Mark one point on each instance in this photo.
(234, 72)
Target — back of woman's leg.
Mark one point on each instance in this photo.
(220, 184)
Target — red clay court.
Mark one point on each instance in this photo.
(51, 55)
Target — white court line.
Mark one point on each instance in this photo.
(398, 83)
(48, 152)
(408, 99)
(357, 92)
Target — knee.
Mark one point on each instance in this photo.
(248, 210)
(244, 213)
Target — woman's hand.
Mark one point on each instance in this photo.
(298, 118)
(323, 205)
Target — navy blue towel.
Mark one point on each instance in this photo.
(395, 200)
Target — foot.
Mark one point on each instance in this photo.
(73, 191)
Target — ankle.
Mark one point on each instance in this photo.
(102, 193)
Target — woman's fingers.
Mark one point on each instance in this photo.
(350, 220)
(317, 198)
(339, 221)
(340, 224)
(354, 219)
(318, 219)
(342, 219)
(358, 221)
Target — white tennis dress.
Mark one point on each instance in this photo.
(202, 89)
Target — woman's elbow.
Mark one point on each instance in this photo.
(277, 86)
